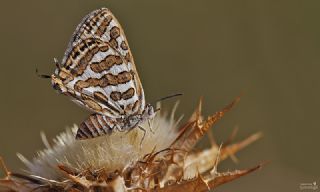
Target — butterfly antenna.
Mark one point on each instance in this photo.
(157, 109)
(168, 97)
(165, 98)
(42, 75)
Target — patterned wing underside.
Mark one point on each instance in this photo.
(104, 77)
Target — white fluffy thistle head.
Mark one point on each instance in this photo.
(110, 152)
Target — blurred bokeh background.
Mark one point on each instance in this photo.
(268, 51)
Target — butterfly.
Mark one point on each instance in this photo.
(99, 73)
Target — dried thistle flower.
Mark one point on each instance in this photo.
(165, 161)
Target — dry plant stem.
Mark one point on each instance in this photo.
(4, 167)
(196, 127)
(201, 183)
(230, 150)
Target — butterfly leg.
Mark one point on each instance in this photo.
(150, 126)
(144, 134)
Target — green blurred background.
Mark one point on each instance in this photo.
(266, 50)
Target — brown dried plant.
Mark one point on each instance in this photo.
(165, 161)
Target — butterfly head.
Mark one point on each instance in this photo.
(127, 123)
(149, 112)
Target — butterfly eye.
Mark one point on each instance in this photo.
(150, 110)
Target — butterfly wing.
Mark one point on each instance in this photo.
(98, 69)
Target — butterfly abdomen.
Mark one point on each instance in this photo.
(96, 125)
